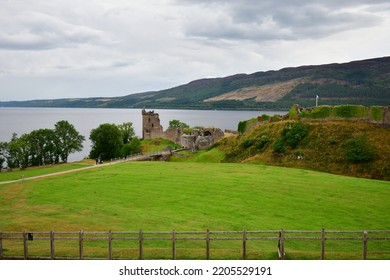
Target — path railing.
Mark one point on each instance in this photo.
(17, 245)
(145, 156)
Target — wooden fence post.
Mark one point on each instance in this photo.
(365, 240)
(25, 245)
(110, 245)
(141, 245)
(81, 244)
(207, 244)
(174, 245)
(244, 239)
(52, 245)
(1, 245)
(323, 244)
(281, 244)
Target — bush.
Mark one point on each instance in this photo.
(351, 111)
(321, 112)
(293, 113)
(358, 150)
(242, 125)
(247, 143)
(292, 135)
(279, 147)
(376, 113)
(265, 117)
(260, 144)
(295, 133)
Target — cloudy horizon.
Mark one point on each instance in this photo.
(100, 48)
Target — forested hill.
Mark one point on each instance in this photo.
(365, 82)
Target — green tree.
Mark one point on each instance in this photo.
(133, 147)
(177, 124)
(107, 141)
(43, 148)
(127, 131)
(67, 139)
(3, 153)
(18, 151)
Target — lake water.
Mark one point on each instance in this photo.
(24, 120)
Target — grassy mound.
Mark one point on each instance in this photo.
(328, 146)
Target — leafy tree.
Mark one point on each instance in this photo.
(107, 141)
(127, 131)
(42, 146)
(133, 147)
(177, 124)
(67, 139)
(43, 149)
(3, 153)
(18, 151)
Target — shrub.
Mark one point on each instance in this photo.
(265, 117)
(358, 149)
(295, 133)
(376, 113)
(293, 113)
(350, 111)
(261, 142)
(321, 112)
(247, 143)
(279, 147)
(275, 118)
(242, 125)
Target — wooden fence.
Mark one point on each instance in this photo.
(280, 237)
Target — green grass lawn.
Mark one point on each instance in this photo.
(166, 196)
(42, 170)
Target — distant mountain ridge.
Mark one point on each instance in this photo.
(365, 82)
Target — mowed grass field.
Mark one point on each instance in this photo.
(166, 196)
(42, 170)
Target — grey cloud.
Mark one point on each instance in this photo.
(38, 31)
(279, 20)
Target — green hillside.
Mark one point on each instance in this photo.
(346, 146)
(364, 82)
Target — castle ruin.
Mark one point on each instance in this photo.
(194, 139)
(151, 127)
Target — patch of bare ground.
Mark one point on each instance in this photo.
(264, 93)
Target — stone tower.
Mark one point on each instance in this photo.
(151, 127)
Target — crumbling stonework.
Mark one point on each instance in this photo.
(195, 139)
(201, 139)
(386, 116)
(151, 127)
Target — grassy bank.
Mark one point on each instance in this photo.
(316, 145)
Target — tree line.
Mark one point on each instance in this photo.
(42, 146)
(52, 146)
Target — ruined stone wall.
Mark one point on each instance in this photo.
(151, 127)
(374, 114)
(199, 139)
(173, 134)
(386, 116)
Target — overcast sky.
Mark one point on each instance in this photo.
(91, 48)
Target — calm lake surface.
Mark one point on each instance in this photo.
(25, 120)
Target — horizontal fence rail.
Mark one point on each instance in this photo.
(24, 241)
